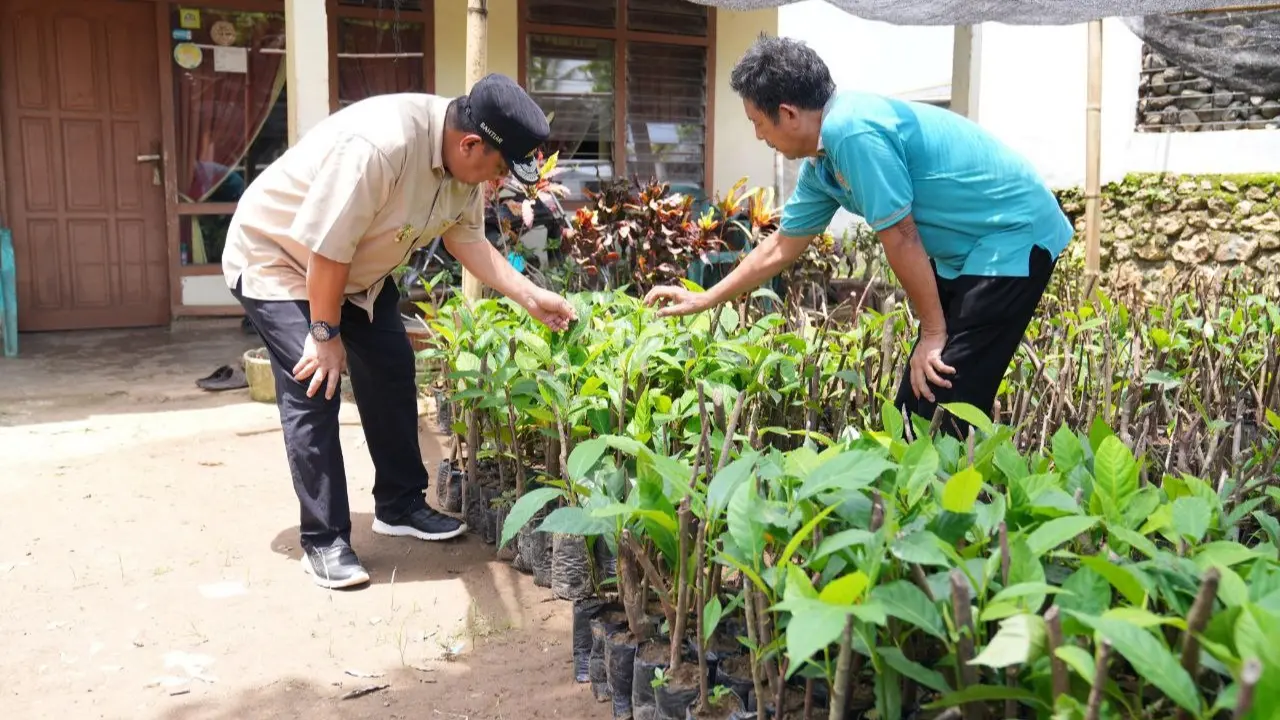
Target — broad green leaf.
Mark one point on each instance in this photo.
(845, 590)
(987, 693)
(524, 509)
(1140, 506)
(841, 540)
(804, 533)
(1123, 537)
(584, 456)
(726, 482)
(1159, 520)
(1055, 532)
(1191, 518)
(711, 615)
(852, 470)
(973, 416)
(813, 626)
(891, 417)
(1149, 658)
(1273, 420)
(1143, 618)
(919, 468)
(467, 362)
(1068, 451)
(798, 584)
(1223, 552)
(1115, 476)
(931, 679)
(1019, 640)
(1025, 567)
(746, 530)
(999, 611)
(1078, 659)
(961, 491)
(1269, 525)
(922, 548)
(1099, 432)
(1119, 577)
(575, 521)
(1009, 461)
(1024, 491)
(1027, 589)
(1232, 590)
(907, 602)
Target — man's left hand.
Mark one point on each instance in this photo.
(927, 365)
(550, 309)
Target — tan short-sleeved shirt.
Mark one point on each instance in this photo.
(366, 187)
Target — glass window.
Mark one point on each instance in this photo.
(572, 79)
(379, 57)
(582, 13)
(230, 102)
(671, 17)
(667, 113)
(201, 238)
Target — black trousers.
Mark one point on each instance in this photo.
(986, 319)
(380, 361)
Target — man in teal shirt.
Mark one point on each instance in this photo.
(968, 226)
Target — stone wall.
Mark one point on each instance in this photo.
(1159, 226)
(1172, 99)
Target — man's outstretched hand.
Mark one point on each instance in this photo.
(676, 300)
(550, 309)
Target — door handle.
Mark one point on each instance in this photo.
(148, 158)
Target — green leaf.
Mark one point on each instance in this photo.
(1068, 452)
(575, 521)
(919, 468)
(726, 482)
(1120, 578)
(986, 693)
(971, 415)
(813, 626)
(1123, 537)
(466, 362)
(1078, 659)
(1149, 658)
(1115, 479)
(744, 527)
(1269, 525)
(1055, 532)
(1191, 517)
(1223, 552)
(584, 456)
(931, 679)
(891, 417)
(1019, 640)
(852, 470)
(1027, 589)
(905, 601)
(711, 615)
(804, 533)
(922, 548)
(1142, 618)
(961, 491)
(1090, 593)
(845, 590)
(524, 509)
(841, 540)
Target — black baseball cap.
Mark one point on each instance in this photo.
(510, 121)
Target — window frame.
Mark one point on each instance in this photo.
(621, 36)
(336, 12)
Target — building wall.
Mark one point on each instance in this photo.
(738, 153)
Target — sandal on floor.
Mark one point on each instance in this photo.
(224, 378)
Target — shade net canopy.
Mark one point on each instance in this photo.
(1236, 45)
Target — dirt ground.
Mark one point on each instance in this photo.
(150, 566)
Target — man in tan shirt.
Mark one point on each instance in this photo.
(309, 255)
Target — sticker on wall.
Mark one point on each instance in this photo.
(231, 59)
(188, 55)
(182, 35)
(223, 32)
(189, 19)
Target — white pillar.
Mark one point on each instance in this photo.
(966, 70)
(307, 64)
(477, 64)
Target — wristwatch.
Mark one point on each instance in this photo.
(323, 331)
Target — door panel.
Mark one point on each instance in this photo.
(78, 83)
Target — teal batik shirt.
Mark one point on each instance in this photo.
(979, 207)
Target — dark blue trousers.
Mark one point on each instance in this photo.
(380, 361)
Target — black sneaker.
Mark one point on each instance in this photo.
(423, 523)
(334, 567)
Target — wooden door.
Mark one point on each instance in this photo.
(79, 92)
